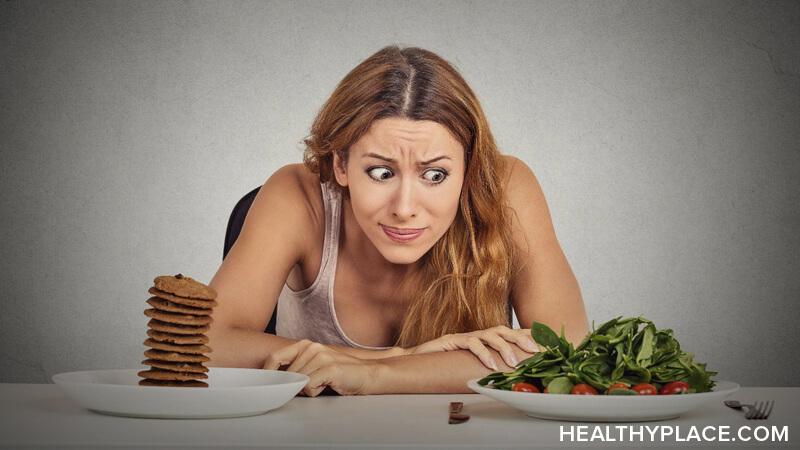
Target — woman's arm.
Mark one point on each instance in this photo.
(433, 373)
(274, 238)
(362, 353)
(439, 372)
(237, 347)
(545, 289)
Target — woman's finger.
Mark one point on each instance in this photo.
(285, 356)
(318, 380)
(525, 340)
(317, 361)
(498, 343)
(521, 337)
(475, 345)
(309, 352)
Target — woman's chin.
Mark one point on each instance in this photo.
(402, 256)
(403, 261)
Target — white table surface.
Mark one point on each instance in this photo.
(40, 416)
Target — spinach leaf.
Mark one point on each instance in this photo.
(543, 335)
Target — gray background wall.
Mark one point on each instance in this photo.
(664, 134)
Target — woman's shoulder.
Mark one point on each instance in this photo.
(312, 191)
(288, 204)
(511, 169)
(291, 196)
(508, 163)
(303, 188)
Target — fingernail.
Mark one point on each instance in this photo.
(493, 365)
(514, 361)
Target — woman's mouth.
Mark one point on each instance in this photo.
(402, 235)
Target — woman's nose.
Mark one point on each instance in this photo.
(405, 203)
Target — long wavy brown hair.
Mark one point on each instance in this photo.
(463, 281)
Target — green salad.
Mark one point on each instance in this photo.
(627, 356)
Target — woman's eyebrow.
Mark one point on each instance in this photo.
(391, 160)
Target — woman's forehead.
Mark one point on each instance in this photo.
(398, 137)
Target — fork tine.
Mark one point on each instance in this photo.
(771, 403)
(759, 411)
(751, 413)
(762, 411)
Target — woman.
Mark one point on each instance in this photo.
(407, 215)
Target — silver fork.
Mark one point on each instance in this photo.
(759, 411)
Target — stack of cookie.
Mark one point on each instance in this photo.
(179, 318)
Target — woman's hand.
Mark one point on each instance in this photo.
(325, 366)
(498, 338)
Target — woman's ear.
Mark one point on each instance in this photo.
(340, 168)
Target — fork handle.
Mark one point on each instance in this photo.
(741, 405)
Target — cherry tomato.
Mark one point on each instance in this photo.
(645, 389)
(674, 387)
(583, 389)
(524, 387)
(618, 385)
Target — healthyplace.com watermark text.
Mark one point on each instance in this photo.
(676, 433)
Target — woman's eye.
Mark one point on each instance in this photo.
(379, 173)
(438, 175)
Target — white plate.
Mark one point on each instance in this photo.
(605, 408)
(230, 393)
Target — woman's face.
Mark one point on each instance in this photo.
(405, 175)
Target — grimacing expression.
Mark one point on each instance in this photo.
(404, 174)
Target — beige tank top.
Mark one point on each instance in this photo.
(309, 313)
